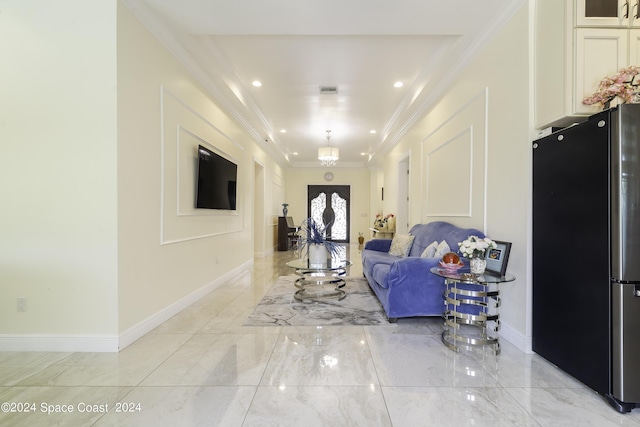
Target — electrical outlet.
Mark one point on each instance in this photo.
(21, 305)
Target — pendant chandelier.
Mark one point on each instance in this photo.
(328, 155)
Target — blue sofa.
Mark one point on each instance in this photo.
(404, 285)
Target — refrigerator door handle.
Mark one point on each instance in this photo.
(636, 291)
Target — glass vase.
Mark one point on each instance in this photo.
(477, 264)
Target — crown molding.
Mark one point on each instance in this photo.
(221, 90)
(459, 59)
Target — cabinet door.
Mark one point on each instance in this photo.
(553, 62)
(634, 13)
(603, 13)
(599, 52)
(634, 47)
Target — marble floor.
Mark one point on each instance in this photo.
(202, 368)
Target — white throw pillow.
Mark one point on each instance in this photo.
(430, 251)
(442, 249)
(401, 245)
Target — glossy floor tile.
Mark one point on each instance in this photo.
(203, 368)
(318, 406)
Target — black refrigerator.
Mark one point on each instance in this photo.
(586, 252)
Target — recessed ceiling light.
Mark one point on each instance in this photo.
(295, 153)
(372, 131)
(283, 131)
(398, 84)
(257, 83)
(363, 154)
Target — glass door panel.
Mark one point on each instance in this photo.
(604, 13)
(329, 205)
(601, 8)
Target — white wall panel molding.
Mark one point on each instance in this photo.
(454, 159)
(183, 128)
(450, 177)
(166, 93)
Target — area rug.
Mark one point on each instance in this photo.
(279, 307)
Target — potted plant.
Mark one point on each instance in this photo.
(314, 243)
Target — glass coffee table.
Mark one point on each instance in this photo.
(319, 281)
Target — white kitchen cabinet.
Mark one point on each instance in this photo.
(599, 52)
(570, 60)
(553, 63)
(607, 13)
(634, 47)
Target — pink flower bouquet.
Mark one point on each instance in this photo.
(623, 85)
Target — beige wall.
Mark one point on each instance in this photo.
(58, 173)
(298, 179)
(99, 127)
(477, 139)
(171, 253)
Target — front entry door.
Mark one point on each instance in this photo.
(329, 204)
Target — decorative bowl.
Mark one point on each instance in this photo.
(451, 267)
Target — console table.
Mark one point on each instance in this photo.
(318, 281)
(471, 309)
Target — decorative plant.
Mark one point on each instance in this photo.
(475, 247)
(313, 233)
(624, 85)
(381, 221)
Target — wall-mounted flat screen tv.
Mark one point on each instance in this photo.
(217, 181)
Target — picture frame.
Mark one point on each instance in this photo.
(498, 258)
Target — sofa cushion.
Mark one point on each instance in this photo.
(442, 249)
(430, 250)
(371, 258)
(401, 245)
(381, 245)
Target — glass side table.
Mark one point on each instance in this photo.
(319, 281)
(471, 309)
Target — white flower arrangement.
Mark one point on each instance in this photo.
(474, 246)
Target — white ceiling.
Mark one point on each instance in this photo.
(296, 46)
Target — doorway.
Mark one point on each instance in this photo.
(403, 223)
(331, 204)
(258, 210)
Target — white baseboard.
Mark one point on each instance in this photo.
(111, 343)
(135, 332)
(522, 342)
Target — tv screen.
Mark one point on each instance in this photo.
(217, 179)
